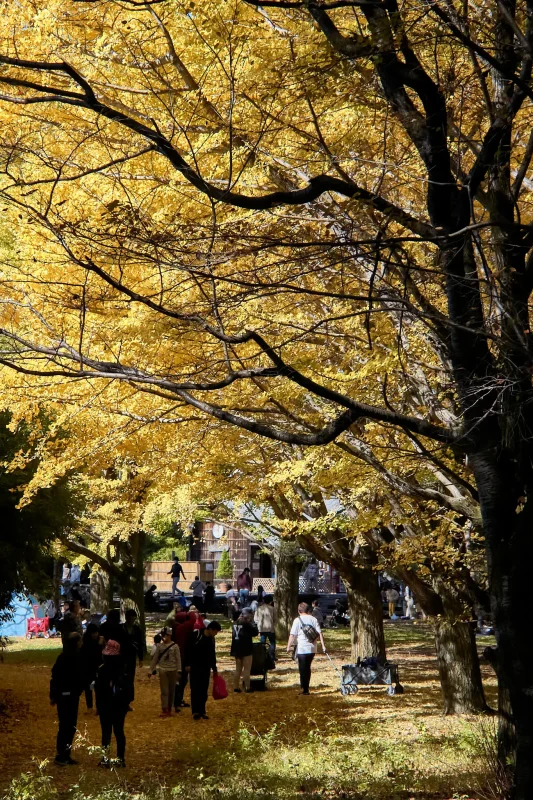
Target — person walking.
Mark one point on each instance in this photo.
(66, 685)
(200, 661)
(305, 633)
(265, 619)
(112, 693)
(182, 630)
(242, 635)
(198, 588)
(167, 660)
(133, 649)
(392, 596)
(176, 571)
(244, 585)
(91, 654)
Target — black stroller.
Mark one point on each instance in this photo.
(261, 663)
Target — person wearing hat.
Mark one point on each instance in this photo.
(112, 700)
(66, 685)
(167, 660)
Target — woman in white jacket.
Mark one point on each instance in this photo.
(167, 660)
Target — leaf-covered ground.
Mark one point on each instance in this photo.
(268, 745)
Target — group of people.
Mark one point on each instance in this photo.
(103, 660)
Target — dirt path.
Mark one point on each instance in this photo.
(173, 750)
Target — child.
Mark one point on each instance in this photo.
(157, 640)
(167, 659)
(112, 700)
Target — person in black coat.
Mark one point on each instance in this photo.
(112, 627)
(133, 648)
(242, 634)
(209, 597)
(112, 700)
(200, 659)
(91, 654)
(66, 685)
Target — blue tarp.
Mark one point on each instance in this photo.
(23, 610)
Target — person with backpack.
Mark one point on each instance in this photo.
(200, 660)
(66, 685)
(265, 619)
(305, 633)
(112, 701)
(242, 634)
(392, 596)
(167, 660)
(176, 571)
(198, 588)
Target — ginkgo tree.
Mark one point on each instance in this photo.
(203, 196)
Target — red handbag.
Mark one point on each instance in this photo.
(220, 690)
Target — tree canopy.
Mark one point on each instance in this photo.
(308, 220)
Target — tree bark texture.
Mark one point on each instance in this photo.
(100, 591)
(505, 488)
(459, 671)
(286, 593)
(455, 643)
(133, 591)
(366, 613)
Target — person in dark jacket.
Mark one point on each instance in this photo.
(91, 655)
(209, 597)
(133, 648)
(112, 628)
(112, 700)
(242, 634)
(200, 659)
(66, 685)
(70, 621)
(151, 599)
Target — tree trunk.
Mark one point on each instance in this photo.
(505, 485)
(100, 592)
(455, 643)
(366, 613)
(506, 729)
(133, 596)
(458, 663)
(286, 594)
